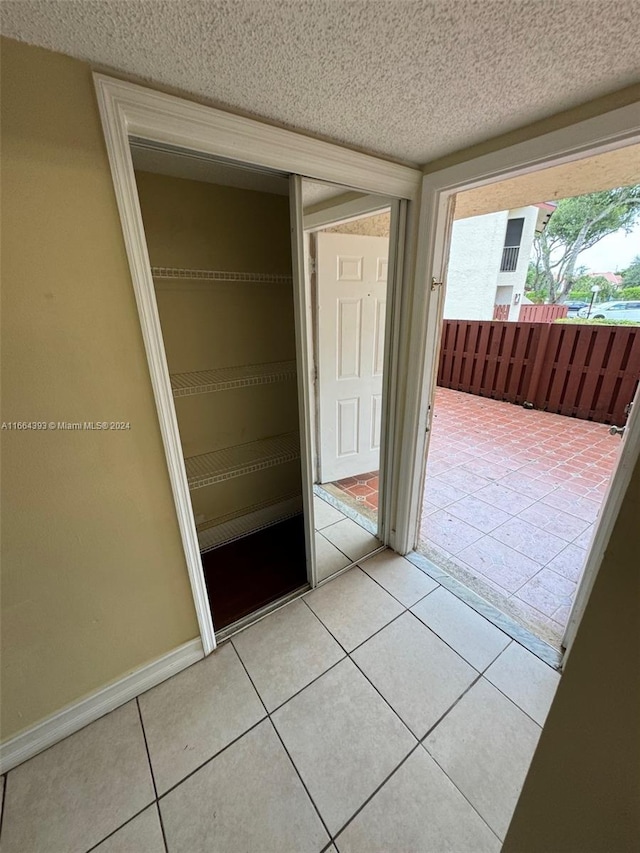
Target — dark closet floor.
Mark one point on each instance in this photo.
(247, 574)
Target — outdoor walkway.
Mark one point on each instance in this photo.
(510, 500)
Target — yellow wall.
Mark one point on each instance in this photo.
(94, 582)
(209, 324)
(582, 793)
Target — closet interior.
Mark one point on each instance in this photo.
(219, 244)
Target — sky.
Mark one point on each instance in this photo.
(613, 253)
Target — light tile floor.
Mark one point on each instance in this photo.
(339, 540)
(510, 501)
(377, 713)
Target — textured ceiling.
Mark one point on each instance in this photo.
(409, 79)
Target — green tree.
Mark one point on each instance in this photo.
(577, 224)
(631, 276)
(582, 284)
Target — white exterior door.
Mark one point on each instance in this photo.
(351, 305)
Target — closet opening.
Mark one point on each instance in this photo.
(219, 243)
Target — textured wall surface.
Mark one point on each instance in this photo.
(413, 80)
(515, 280)
(94, 581)
(474, 261)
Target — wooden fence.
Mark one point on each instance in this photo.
(588, 372)
(541, 313)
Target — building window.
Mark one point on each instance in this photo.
(512, 244)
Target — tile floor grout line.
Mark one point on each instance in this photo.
(514, 703)
(293, 764)
(298, 692)
(122, 825)
(377, 790)
(210, 759)
(153, 778)
(462, 794)
(146, 747)
(415, 616)
(384, 699)
(302, 782)
(162, 829)
(450, 708)
(395, 597)
(326, 628)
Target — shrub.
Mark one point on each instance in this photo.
(630, 293)
(583, 321)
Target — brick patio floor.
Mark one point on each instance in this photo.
(509, 504)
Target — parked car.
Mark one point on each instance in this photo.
(574, 307)
(612, 311)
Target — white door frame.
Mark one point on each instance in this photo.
(422, 317)
(401, 241)
(129, 110)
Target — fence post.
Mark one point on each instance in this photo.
(538, 362)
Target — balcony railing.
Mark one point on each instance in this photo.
(509, 258)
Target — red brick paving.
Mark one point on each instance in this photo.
(510, 499)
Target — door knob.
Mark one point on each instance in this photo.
(614, 430)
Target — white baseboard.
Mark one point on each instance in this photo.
(74, 717)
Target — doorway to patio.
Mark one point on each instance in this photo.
(527, 415)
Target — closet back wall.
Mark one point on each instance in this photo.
(216, 324)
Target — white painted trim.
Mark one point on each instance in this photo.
(115, 123)
(75, 717)
(392, 344)
(126, 110)
(346, 211)
(423, 319)
(170, 120)
(304, 358)
(611, 503)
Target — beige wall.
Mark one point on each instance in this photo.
(582, 794)
(207, 324)
(94, 582)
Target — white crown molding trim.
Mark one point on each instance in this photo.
(78, 715)
(171, 120)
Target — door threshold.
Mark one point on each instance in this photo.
(505, 623)
(257, 615)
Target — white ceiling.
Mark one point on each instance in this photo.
(409, 79)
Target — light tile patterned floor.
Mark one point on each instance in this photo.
(339, 540)
(377, 713)
(509, 504)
